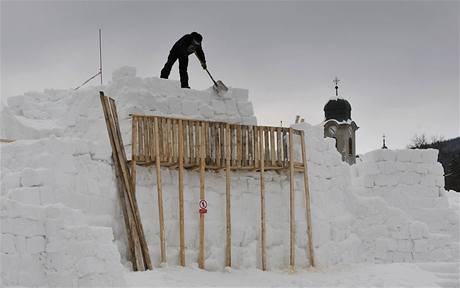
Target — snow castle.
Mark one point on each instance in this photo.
(62, 224)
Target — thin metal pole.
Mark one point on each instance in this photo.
(100, 54)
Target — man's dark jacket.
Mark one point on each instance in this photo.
(185, 46)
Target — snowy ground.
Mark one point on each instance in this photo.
(359, 275)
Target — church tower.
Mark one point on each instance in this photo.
(338, 125)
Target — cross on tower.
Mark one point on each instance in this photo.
(336, 82)
(384, 146)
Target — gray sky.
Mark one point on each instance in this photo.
(398, 61)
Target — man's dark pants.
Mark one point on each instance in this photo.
(183, 63)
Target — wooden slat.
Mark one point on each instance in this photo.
(169, 140)
(228, 185)
(208, 147)
(132, 196)
(291, 202)
(267, 146)
(250, 146)
(257, 147)
(197, 125)
(152, 138)
(174, 141)
(159, 193)
(244, 144)
(218, 146)
(134, 147)
(307, 200)
(272, 146)
(181, 196)
(262, 202)
(202, 156)
(239, 149)
(191, 144)
(135, 255)
(118, 149)
(279, 150)
(285, 146)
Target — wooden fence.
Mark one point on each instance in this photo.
(193, 144)
(190, 144)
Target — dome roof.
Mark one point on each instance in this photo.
(338, 109)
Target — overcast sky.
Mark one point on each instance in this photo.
(398, 61)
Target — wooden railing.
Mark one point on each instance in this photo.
(244, 143)
(195, 144)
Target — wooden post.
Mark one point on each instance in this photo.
(134, 147)
(262, 200)
(201, 156)
(228, 185)
(306, 191)
(160, 193)
(291, 200)
(181, 196)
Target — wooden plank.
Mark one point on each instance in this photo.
(222, 137)
(191, 145)
(169, 139)
(250, 146)
(159, 193)
(266, 146)
(208, 147)
(134, 252)
(174, 140)
(197, 125)
(152, 138)
(202, 156)
(239, 147)
(291, 202)
(228, 185)
(149, 132)
(244, 153)
(218, 139)
(160, 135)
(306, 190)
(262, 201)
(211, 143)
(131, 196)
(181, 196)
(184, 140)
(272, 146)
(134, 152)
(285, 147)
(256, 147)
(138, 264)
(278, 147)
(141, 139)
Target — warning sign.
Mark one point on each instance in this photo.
(203, 206)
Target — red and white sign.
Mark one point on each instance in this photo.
(203, 206)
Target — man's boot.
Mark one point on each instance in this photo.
(184, 85)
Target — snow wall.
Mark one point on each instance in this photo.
(62, 224)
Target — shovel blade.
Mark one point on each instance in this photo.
(220, 87)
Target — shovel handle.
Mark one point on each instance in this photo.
(215, 83)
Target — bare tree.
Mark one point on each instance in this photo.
(418, 141)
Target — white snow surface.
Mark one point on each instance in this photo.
(62, 224)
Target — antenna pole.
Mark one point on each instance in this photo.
(100, 55)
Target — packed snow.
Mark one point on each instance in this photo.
(62, 224)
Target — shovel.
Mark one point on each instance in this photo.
(219, 86)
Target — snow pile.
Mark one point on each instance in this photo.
(62, 224)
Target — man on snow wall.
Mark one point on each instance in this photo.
(188, 44)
